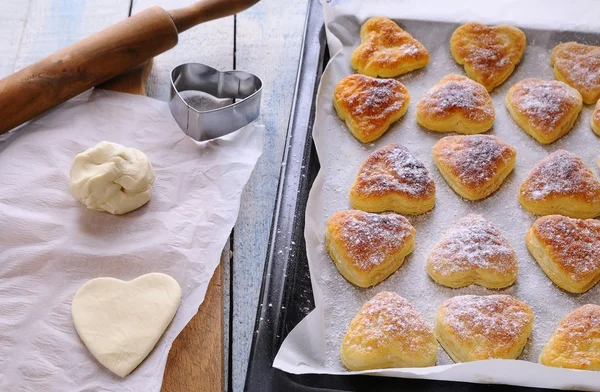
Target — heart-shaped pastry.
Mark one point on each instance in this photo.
(474, 165)
(120, 322)
(456, 104)
(574, 344)
(561, 184)
(473, 327)
(595, 120)
(368, 105)
(473, 251)
(578, 65)
(546, 110)
(388, 332)
(386, 50)
(392, 179)
(567, 250)
(489, 54)
(367, 248)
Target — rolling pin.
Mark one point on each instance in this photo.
(55, 79)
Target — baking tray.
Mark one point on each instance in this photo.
(286, 292)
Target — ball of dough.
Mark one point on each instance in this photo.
(113, 178)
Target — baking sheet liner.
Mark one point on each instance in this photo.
(50, 244)
(313, 346)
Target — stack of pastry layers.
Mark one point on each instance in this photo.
(367, 248)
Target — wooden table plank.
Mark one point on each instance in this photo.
(12, 24)
(268, 41)
(53, 24)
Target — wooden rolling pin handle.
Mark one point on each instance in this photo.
(83, 65)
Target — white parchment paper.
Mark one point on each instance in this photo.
(50, 244)
(313, 346)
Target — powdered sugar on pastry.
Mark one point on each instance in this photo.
(578, 65)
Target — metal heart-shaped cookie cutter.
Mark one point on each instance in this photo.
(209, 124)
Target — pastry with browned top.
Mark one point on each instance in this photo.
(567, 250)
(595, 120)
(473, 251)
(489, 54)
(386, 50)
(388, 332)
(367, 248)
(474, 165)
(368, 105)
(392, 179)
(576, 342)
(456, 104)
(472, 327)
(561, 184)
(578, 65)
(546, 110)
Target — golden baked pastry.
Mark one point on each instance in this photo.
(595, 120)
(546, 110)
(473, 327)
(388, 332)
(474, 165)
(561, 184)
(576, 342)
(369, 105)
(578, 65)
(473, 251)
(456, 104)
(567, 249)
(489, 54)
(386, 50)
(392, 179)
(367, 248)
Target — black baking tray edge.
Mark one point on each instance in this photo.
(286, 293)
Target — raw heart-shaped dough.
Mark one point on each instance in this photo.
(456, 104)
(367, 248)
(561, 184)
(473, 251)
(474, 165)
(567, 250)
(576, 342)
(368, 105)
(544, 109)
(489, 54)
(386, 50)
(473, 327)
(388, 332)
(392, 179)
(120, 322)
(578, 65)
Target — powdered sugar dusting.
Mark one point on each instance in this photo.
(545, 103)
(457, 93)
(474, 159)
(489, 320)
(561, 174)
(473, 243)
(488, 50)
(394, 169)
(580, 65)
(388, 319)
(581, 324)
(572, 243)
(370, 239)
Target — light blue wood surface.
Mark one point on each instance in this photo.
(267, 41)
